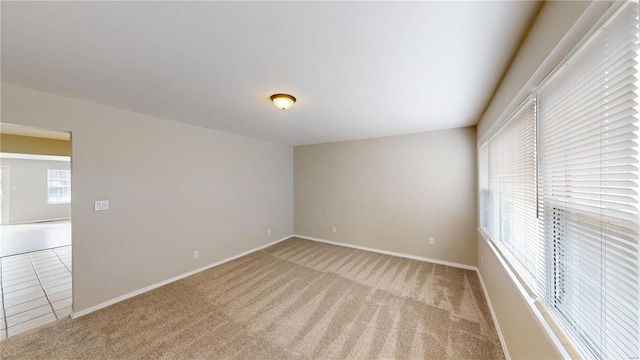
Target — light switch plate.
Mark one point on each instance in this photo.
(102, 205)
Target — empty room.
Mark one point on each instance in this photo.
(35, 230)
(333, 180)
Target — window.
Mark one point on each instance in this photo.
(511, 215)
(589, 190)
(559, 192)
(58, 186)
(483, 185)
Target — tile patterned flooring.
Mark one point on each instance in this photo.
(36, 289)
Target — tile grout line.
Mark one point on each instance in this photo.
(58, 256)
(4, 310)
(31, 261)
(70, 272)
(41, 286)
(32, 251)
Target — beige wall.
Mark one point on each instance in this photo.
(523, 333)
(392, 193)
(173, 189)
(32, 145)
(558, 28)
(28, 191)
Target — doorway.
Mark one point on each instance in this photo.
(35, 228)
(4, 194)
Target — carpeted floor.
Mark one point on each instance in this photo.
(295, 300)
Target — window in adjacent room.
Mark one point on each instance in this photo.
(58, 186)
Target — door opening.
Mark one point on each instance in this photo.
(4, 194)
(35, 227)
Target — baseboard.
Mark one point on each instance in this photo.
(560, 340)
(38, 221)
(495, 319)
(75, 315)
(392, 253)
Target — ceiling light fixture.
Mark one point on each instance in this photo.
(283, 101)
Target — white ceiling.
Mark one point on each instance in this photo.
(358, 69)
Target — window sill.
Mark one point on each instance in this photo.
(554, 333)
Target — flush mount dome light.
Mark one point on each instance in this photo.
(283, 101)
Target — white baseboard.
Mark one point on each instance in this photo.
(38, 221)
(560, 340)
(75, 315)
(495, 319)
(392, 253)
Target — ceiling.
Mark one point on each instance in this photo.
(358, 69)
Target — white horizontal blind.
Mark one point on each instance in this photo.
(513, 191)
(483, 185)
(588, 181)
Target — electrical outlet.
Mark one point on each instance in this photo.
(334, 229)
(482, 260)
(269, 232)
(196, 254)
(432, 241)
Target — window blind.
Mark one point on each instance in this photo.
(512, 187)
(559, 192)
(588, 182)
(483, 186)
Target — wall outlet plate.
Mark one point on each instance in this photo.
(101, 205)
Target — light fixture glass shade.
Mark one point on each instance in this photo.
(283, 101)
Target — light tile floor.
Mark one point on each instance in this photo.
(24, 238)
(36, 289)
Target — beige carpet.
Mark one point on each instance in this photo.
(295, 300)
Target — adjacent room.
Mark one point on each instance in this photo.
(35, 231)
(329, 180)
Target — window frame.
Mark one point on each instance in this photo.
(50, 179)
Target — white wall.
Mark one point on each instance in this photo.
(173, 189)
(559, 27)
(28, 191)
(392, 193)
